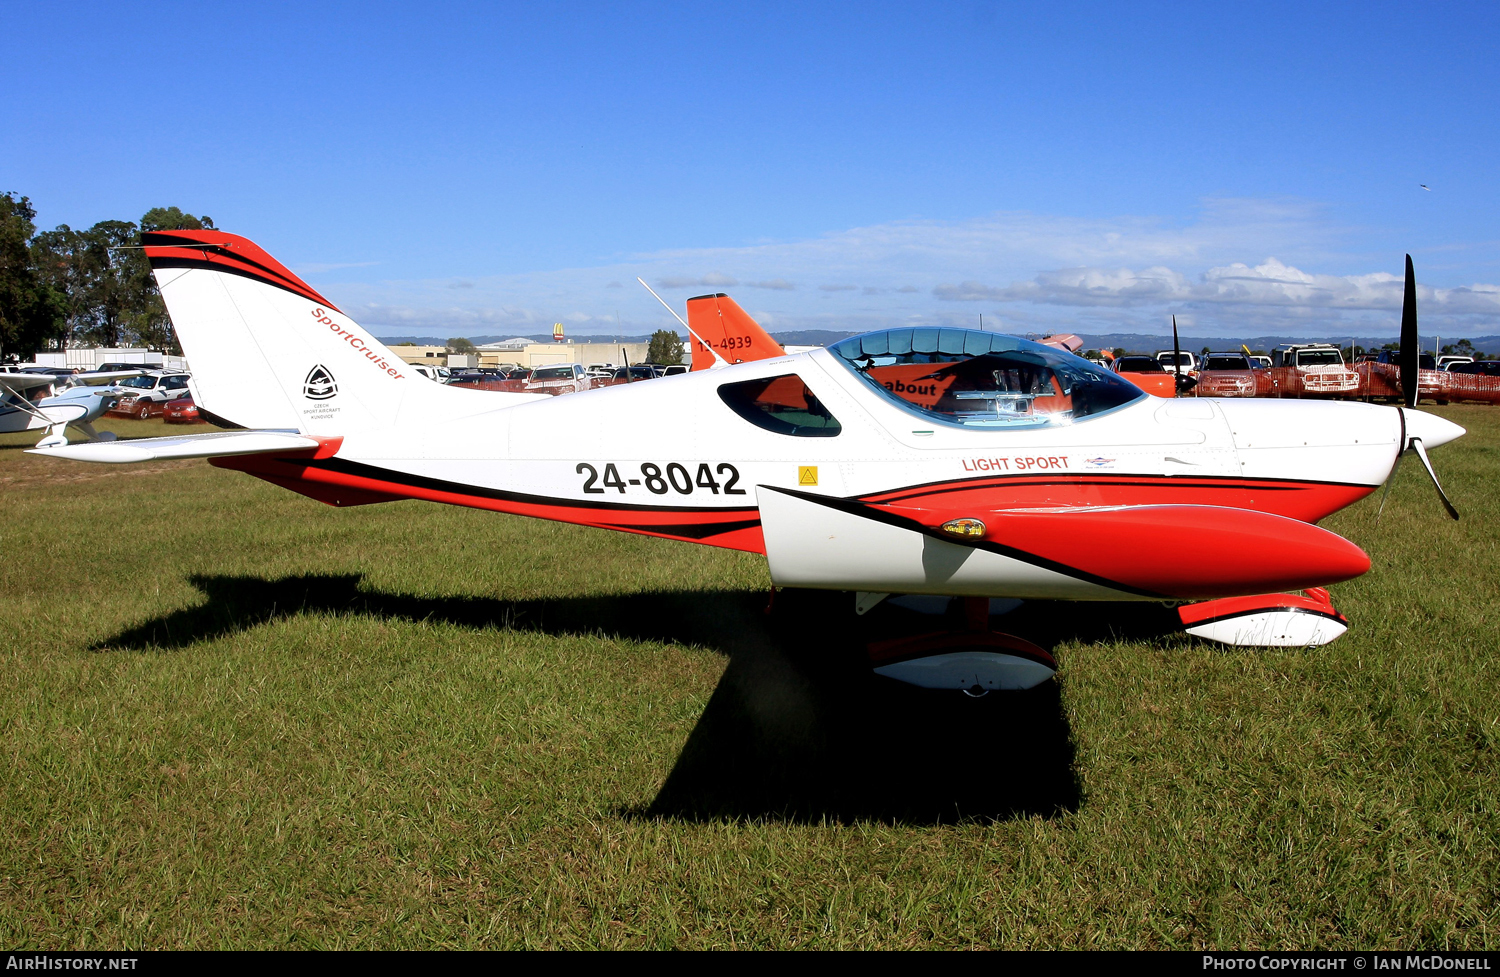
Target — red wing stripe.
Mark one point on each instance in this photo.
(876, 514)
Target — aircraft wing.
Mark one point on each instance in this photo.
(218, 445)
(105, 379)
(18, 383)
(1150, 551)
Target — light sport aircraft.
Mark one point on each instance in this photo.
(83, 400)
(911, 461)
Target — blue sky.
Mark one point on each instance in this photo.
(457, 169)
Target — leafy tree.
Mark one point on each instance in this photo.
(30, 313)
(665, 348)
(173, 219)
(62, 263)
(460, 345)
(106, 298)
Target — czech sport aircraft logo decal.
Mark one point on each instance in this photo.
(320, 384)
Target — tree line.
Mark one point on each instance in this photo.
(91, 287)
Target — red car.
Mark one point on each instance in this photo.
(181, 411)
(138, 408)
(1229, 375)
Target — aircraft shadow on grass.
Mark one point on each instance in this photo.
(798, 728)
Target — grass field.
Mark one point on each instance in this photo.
(235, 717)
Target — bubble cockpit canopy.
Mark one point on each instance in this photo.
(982, 379)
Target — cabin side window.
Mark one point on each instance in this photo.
(783, 405)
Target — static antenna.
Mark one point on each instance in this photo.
(716, 356)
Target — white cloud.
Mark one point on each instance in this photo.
(1271, 283)
(1036, 272)
(711, 280)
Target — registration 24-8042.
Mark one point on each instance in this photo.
(658, 480)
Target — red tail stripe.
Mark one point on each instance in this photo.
(227, 253)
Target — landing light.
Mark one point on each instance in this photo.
(969, 529)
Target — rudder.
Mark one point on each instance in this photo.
(719, 322)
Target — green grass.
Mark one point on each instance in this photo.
(235, 717)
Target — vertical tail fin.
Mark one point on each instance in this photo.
(267, 351)
(720, 322)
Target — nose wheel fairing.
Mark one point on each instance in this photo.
(967, 660)
(1266, 620)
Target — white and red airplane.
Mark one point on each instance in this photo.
(909, 461)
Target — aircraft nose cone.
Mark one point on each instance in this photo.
(1433, 430)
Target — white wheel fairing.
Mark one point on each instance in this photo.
(966, 669)
(1272, 628)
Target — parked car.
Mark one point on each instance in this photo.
(676, 369)
(1147, 373)
(1448, 362)
(182, 411)
(567, 379)
(437, 374)
(1299, 369)
(1486, 368)
(1429, 378)
(146, 395)
(1227, 375)
(1186, 360)
(1478, 381)
(633, 373)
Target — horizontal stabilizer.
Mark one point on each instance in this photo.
(189, 446)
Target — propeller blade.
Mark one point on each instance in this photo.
(1422, 454)
(1411, 350)
(1176, 360)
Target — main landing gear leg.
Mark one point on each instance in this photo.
(975, 660)
(1266, 620)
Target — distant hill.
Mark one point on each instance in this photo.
(1131, 342)
(541, 337)
(1143, 343)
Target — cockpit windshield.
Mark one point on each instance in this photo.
(981, 379)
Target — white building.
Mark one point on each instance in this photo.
(91, 359)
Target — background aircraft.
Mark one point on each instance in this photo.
(717, 325)
(30, 401)
(911, 461)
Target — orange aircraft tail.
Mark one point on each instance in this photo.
(719, 321)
